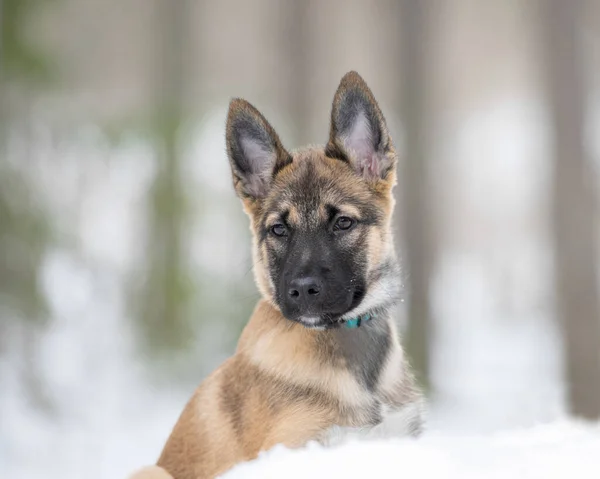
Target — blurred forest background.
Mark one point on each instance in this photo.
(125, 269)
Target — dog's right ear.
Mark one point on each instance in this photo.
(254, 149)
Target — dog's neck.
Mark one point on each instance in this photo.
(286, 348)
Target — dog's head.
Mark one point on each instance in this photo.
(320, 217)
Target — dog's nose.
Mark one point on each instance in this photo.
(305, 289)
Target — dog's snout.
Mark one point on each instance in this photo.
(306, 289)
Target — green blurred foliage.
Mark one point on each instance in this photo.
(24, 235)
(22, 60)
(24, 226)
(162, 304)
(168, 300)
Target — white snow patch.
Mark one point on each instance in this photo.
(560, 450)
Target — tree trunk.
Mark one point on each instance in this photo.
(416, 212)
(163, 307)
(296, 52)
(573, 208)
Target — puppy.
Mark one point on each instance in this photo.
(320, 357)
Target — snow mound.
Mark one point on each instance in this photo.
(559, 450)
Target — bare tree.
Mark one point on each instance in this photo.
(162, 304)
(416, 212)
(295, 48)
(574, 225)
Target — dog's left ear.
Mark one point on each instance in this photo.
(358, 133)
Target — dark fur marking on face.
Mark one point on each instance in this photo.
(333, 151)
(368, 214)
(262, 234)
(332, 212)
(285, 216)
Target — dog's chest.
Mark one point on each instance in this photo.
(377, 363)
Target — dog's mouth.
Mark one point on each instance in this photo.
(319, 323)
(326, 320)
(315, 322)
(322, 324)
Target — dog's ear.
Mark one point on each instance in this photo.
(358, 133)
(254, 149)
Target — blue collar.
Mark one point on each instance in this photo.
(356, 322)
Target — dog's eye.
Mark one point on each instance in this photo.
(343, 223)
(279, 230)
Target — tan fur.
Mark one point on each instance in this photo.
(288, 384)
(272, 355)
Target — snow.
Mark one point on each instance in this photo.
(558, 450)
